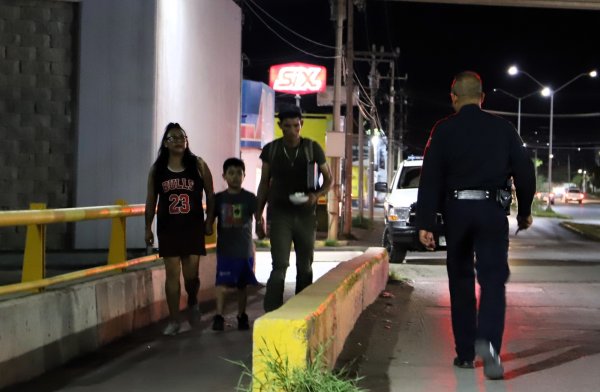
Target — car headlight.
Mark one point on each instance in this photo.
(398, 213)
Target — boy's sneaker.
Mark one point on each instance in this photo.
(172, 328)
(194, 313)
(242, 320)
(492, 368)
(218, 323)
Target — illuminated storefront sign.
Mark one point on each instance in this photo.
(298, 78)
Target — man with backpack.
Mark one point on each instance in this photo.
(287, 185)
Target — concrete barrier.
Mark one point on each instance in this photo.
(39, 332)
(322, 314)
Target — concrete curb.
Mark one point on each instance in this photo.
(321, 315)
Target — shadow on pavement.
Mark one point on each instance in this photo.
(570, 349)
(369, 348)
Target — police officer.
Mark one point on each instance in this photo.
(469, 158)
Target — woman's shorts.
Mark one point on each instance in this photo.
(235, 272)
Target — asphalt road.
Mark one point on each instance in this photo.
(589, 212)
(545, 241)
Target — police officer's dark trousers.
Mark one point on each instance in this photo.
(477, 246)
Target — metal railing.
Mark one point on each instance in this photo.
(34, 256)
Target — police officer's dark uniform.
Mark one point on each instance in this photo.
(470, 155)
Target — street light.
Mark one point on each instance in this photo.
(548, 92)
(519, 99)
(583, 179)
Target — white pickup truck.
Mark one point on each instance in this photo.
(400, 235)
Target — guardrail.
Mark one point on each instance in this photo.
(34, 257)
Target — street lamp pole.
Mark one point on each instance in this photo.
(519, 116)
(550, 155)
(519, 99)
(513, 70)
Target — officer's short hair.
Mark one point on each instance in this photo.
(467, 84)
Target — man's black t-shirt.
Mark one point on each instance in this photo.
(289, 171)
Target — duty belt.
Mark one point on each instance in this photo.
(471, 194)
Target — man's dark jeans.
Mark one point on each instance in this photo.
(298, 227)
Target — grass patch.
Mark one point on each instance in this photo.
(362, 223)
(540, 209)
(587, 230)
(395, 277)
(262, 243)
(281, 377)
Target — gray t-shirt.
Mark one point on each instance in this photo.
(234, 212)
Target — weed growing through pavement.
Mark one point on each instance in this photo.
(395, 277)
(281, 377)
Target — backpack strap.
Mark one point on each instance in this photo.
(273, 149)
(308, 149)
(307, 144)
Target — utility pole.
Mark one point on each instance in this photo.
(373, 85)
(361, 166)
(347, 230)
(391, 120)
(392, 100)
(402, 113)
(334, 194)
(374, 58)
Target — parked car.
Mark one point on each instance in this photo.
(400, 234)
(548, 197)
(573, 194)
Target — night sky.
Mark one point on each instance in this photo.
(436, 42)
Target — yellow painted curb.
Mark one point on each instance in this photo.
(322, 315)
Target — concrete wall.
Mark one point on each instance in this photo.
(85, 93)
(41, 331)
(116, 111)
(37, 110)
(199, 46)
(179, 62)
(322, 314)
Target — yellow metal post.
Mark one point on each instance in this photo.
(34, 258)
(117, 251)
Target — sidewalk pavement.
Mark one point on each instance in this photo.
(403, 342)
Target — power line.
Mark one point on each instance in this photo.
(574, 115)
(285, 40)
(290, 30)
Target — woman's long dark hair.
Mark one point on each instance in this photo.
(189, 159)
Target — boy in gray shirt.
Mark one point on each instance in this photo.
(234, 209)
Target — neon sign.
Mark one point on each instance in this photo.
(298, 78)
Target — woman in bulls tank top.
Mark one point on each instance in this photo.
(176, 180)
